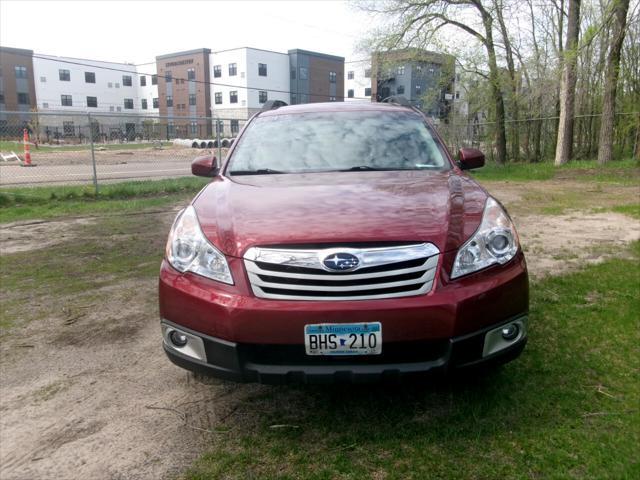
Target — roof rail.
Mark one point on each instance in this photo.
(272, 105)
(398, 100)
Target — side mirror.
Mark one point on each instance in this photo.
(470, 158)
(205, 166)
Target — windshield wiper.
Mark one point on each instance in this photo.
(258, 171)
(362, 168)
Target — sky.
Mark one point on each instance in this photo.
(137, 31)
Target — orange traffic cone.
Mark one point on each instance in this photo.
(27, 153)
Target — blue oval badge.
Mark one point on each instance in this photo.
(341, 261)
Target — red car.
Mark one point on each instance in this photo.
(341, 242)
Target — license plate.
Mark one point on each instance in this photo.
(343, 339)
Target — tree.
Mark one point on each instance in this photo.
(605, 147)
(564, 144)
(417, 23)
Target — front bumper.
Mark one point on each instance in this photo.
(276, 364)
(245, 338)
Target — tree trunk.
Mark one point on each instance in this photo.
(605, 147)
(564, 145)
(496, 91)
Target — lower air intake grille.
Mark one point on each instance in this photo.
(307, 274)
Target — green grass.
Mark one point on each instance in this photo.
(622, 171)
(632, 210)
(48, 202)
(7, 146)
(568, 408)
(108, 252)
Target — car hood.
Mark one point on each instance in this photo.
(443, 208)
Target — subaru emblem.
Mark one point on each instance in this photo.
(341, 262)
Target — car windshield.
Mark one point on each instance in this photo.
(337, 141)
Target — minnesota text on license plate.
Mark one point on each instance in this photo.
(343, 339)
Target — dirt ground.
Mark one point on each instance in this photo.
(86, 391)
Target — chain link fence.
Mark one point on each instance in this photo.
(81, 148)
(534, 139)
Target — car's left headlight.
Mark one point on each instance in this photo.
(188, 250)
(495, 241)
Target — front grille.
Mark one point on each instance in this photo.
(300, 274)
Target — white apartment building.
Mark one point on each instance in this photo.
(357, 80)
(79, 85)
(243, 79)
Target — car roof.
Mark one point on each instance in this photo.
(337, 107)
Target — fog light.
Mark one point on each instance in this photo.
(510, 332)
(179, 339)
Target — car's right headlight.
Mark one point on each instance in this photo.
(188, 250)
(495, 241)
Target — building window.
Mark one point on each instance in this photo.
(419, 68)
(418, 89)
(262, 96)
(169, 101)
(218, 98)
(457, 95)
(168, 77)
(194, 128)
(192, 99)
(400, 70)
(92, 102)
(217, 71)
(367, 92)
(367, 73)
(350, 93)
(235, 127)
(21, 72)
(23, 99)
(156, 103)
(191, 74)
(128, 103)
(44, 105)
(144, 104)
(350, 75)
(293, 74)
(262, 69)
(233, 69)
(111, 109)
(218, 126)
(118, 109)
(65, 75)
(233, 96)
(110, 85)
(68, 128)
(332, 77)
(303, 73)
(43, 79)
(400, 89)
(117, 85)
(89, 77)
(66, 101)
(154, 79)
(126, 81)
(143, 81)
(1, 98)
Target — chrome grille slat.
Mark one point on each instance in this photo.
(310, 259)
(253, 268)
(428, 275)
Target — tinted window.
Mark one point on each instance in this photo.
(338, 141)
(143, 81)
(126, 81)
(92, 102)
(64, 75)
(89, 77)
